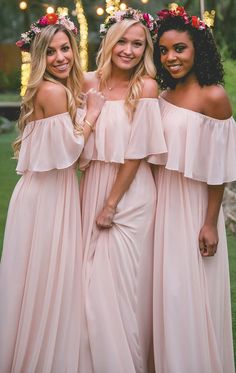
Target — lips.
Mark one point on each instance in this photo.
(174, 68)
(63, 67)
(126, 59)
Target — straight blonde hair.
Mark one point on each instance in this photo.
(144, 68)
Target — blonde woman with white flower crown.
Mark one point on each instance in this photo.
(118, 200)
(40, 273)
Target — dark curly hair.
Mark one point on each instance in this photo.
(207, 62)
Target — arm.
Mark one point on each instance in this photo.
(52, 100)
(208, 236)
(125, 176)
(127, 171)
(216, 105)
(95, 101)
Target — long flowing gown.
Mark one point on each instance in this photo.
(118, 262)
(40, 275)
(192, 313)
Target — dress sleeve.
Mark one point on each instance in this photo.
(146, 135)
(49, 143)
(204, 151)
(212, 157)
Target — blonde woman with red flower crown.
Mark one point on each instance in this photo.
(118, 200)
(40, 273)
(192, 311)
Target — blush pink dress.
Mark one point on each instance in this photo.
(118, 262)
(40, 275)
(192, 312)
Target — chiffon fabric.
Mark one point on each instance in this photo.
(118, 262)
(192, 312)
(40, 276)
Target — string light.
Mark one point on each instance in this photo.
(25, 71)
(123, 6)
(112, 6)
(100, 11)
(23, 5)
(144, 1)
(50, 10)
(83, 35)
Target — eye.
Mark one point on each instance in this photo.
(162, 50)
(180, 48)
(50, 52)
(66, 48)
(121, 42)
(138, 44)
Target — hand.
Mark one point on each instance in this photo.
(208, 240)
(105, 218)
(95, 101)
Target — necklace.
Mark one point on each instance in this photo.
(109, 88)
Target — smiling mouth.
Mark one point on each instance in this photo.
(127, 59)
(62, 67)
(174, 68)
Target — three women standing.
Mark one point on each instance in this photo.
(40, 284)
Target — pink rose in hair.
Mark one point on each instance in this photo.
(20, 43)
(43, 21)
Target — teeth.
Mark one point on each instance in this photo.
(174, 68)
(62, 67)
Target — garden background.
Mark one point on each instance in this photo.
(14, 21)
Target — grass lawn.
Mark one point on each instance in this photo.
(9, 97)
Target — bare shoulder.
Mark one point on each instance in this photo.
(90, 81)
(216, 102)
(150, 88)
(51, 98)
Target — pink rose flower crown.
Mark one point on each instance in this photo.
(49, 19)
(134, 14)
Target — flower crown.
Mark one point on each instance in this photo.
(178, 11)
(145, 18)
(36, 27)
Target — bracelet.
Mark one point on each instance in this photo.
(89, 124)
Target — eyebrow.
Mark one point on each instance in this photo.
(122, 37)
(174, 45)
(66, 43)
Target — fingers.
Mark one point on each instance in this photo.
(93, 91)
(104, 225)
(207, 249)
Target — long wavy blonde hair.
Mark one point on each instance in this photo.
(144, 68)
(39, 73)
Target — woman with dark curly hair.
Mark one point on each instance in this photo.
(192, 315)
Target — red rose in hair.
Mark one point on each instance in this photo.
(165, 13)
(51, 18)
(180, 11)
(195, 22)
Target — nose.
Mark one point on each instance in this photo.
(59, 56)
(171, 56)
(128, 48)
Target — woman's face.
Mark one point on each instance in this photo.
(129, 49)
(60, 59)
(177, 53)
